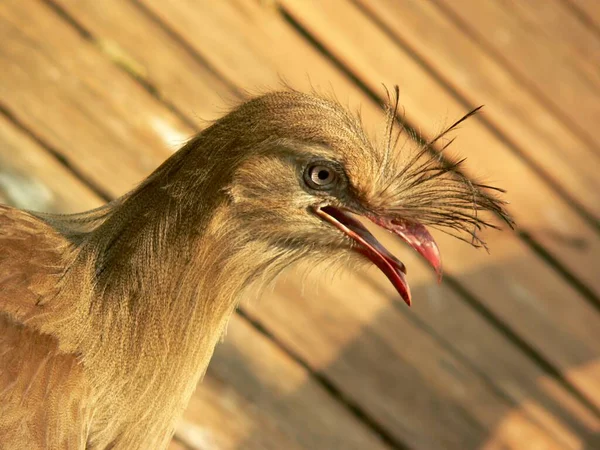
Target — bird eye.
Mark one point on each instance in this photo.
(318, 176)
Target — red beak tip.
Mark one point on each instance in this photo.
(406, 295)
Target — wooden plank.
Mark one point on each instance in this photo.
(95, 118)
(452, 403)
(504, 286)
(277, 398)
(558, 24)
(178, 76)
(30, 178)
(386, 358)
(569, 161)
(537, 57)
(432, 401)
(243, 59)
(250, 377)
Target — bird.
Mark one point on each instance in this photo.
(109, 317)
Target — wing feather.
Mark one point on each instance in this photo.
(33, 258)
(44, 398)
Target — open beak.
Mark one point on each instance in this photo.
(413, 233)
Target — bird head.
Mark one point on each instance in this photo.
(304, 170)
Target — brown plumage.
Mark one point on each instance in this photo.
(109, 318)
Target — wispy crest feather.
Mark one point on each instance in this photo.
(429, 187)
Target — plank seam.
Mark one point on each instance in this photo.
(551, 260)
(65, 162)
(583, 17)
(189, 49)
(147, 85)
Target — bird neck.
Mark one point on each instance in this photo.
(156, 284)
(148, 343)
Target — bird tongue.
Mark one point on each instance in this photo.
(414, 233)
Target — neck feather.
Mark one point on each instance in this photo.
(157, 275)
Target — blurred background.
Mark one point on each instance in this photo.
(505, 353)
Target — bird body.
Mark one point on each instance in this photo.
(109, 318)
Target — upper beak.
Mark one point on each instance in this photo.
(413, 233)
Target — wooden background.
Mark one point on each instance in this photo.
(505, 353)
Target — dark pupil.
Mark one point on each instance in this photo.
(323, 174)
